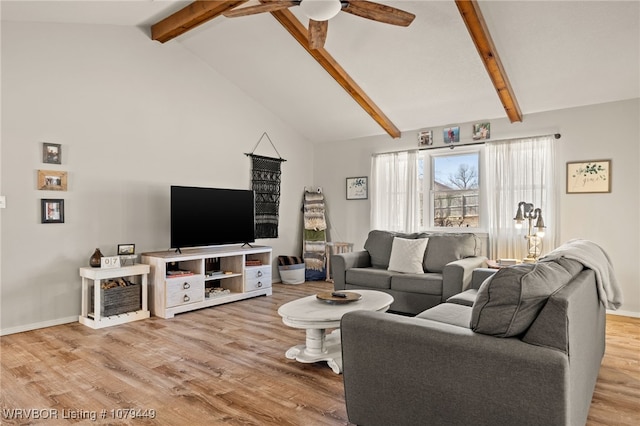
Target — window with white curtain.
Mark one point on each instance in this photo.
(408, 195)
(520, 170)
(395, 194)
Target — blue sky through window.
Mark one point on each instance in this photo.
(446, 166)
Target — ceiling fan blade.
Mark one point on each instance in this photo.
(270, 6)
(317, 33)
(379, 12)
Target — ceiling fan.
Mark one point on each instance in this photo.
(320, 11)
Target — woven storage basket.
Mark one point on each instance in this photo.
(119, 300)
(291, 269)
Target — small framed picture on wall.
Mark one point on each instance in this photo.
(52, 180)
(451, 134)
(481, 131)
(357, 188)
(425, 138)
(51, 153)
(52, 210)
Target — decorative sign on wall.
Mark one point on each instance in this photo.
(584, 177)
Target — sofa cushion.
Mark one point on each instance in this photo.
(425, 283)
(449, 313)
(407, 255)
(446, 248)
(509, 301)
(379, 245)
(369, 277)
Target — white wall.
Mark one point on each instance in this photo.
(133, 116)
(606, 131)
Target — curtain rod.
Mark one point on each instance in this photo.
(452, 146)
(555, 135)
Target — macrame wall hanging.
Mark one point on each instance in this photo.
(265, 182)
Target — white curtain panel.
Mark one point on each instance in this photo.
(395, 196)
(520, 170)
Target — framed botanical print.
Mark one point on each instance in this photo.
(357, 188)
(584, 177)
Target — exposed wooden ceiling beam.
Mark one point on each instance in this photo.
(300, 33)
(192, 15)
(477, 27)
(201, 11)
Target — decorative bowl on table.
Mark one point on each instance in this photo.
(337, 297)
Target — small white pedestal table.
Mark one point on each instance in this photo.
(316, 316)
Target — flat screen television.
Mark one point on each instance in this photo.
(211, 216)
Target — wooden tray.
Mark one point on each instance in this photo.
(333, 300)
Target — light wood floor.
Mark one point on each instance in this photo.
(224, 365)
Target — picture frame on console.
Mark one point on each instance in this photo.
(126, 249)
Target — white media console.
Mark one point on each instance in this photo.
(203, 277)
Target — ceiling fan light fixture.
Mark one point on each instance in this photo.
(320, 10)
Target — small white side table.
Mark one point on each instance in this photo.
(98, 274)
(335, 248)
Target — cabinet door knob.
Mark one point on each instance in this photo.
(259, 284)
(186, 286)
(186, 298)
(259, 274)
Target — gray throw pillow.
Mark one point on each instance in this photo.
(379, 245)
(446, 248)
(509, 301)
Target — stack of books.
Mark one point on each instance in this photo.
(250, 262)
(173, 274)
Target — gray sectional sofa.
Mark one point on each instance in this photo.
(447, 264)
(521, 346)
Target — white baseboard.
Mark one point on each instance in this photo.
(37, 325)
(624, 313)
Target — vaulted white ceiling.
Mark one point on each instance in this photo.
(557, 54)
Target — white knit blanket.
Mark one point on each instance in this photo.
(595, 258)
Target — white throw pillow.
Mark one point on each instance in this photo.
(407, 255)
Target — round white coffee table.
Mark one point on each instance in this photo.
(316, 316)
